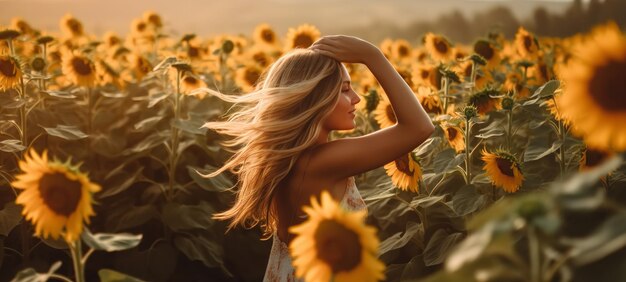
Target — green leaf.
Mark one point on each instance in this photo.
(185, 217)
(609, 238)
(467, 200)
(120, 182)
(150, 142)
(192, 126)
(11, 145)
(67, 132)
(219, 183)
(399, 239)
(148, 123)
(60, 94)
(440, 245)
(135, 216)
(10, 217)
(471, 248)
(443, 160)
(547, 89)
(200, 248)
(111, 242)
(31, 275)
(156, 98)
(108, 275)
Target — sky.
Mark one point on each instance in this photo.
(208, 18)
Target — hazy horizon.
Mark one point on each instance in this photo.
(239, 16)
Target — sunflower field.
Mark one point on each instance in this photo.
(103, 151)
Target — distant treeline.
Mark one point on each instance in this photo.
(579, 17)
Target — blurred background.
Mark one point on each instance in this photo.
(460, 20)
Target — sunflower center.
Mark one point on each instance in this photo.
(594, 158)
(251, 76)
(302, 41)
(403, 51)
(141, 27)
(424, 73)
(402, 163)
(484, 49)
(607, 85)
(505, 166)
(390, 114)
(75, 26)
(451, 133)
(260, 58)
(81, 66)
(337, 245)
(267, 35)
(528, 42)
(59, 193)
(193, 52)
(441, 46)
(190, 80)
(7, 67)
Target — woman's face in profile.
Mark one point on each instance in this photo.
(342, 116)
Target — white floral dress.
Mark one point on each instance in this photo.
(279, 268)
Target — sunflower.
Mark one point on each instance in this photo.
(191, 82)
(484, 101)
(153, 19)
(514, 83)
(247, 76)
(438, 46)
(302, 36)
(79, 69)
(420, 74)
(593, 98)
(386, 46)
(401, 50)
(483, 76)
(527, 44)
(429, 100)
(405, 172)
(259, 55)
(56, 196)
(503, 169)
(105, 74)
(71, 26)
(111, 40)
(264, 34)
(22, 26)
(335, 245)
(454, 135)
(486, 49)
(10, 72)
(140, 66)
(384, 114)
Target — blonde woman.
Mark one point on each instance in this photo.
(282, 153)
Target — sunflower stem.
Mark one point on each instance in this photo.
(23, 123)
(561, 150)
(445, 94)
(473, 78)
(60, 277)
(509, 136)
(44, 71)
(535, 255)
(174, 147)
(75, 248)
(11, 49)
(468, 173)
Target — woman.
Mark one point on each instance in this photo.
(282, 154)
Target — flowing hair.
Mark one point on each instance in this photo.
(276, 122)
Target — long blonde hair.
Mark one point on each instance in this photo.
(276, 122)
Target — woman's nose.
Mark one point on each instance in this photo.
(356, 99)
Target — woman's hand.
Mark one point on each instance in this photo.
(348, 49)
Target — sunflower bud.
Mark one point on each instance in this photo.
(372, 100)
(228, 46)
(182, 67)
(508, 103)
(451, 75)
(45, 39)
(470, 112)
(9, 34)
(188, 37)
(38, 64)
(478, 59)
(525, 64)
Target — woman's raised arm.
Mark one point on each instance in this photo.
(351, 156)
